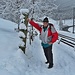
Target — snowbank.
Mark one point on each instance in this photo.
(14, 62)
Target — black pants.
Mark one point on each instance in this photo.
(49, 55)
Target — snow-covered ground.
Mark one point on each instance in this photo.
(68, 22)
(14, 62)
(71, 29)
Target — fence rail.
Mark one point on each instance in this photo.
(67, 40)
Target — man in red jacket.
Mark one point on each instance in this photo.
(48, 36)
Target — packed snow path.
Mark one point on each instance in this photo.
(14, 62)
(64, 60)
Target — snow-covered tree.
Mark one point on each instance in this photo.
(9, 9)
(43, 7)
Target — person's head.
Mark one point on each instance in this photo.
(45, 22)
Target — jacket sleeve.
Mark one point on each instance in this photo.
(54, 34)
(35, 25)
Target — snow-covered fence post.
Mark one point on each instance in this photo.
(59, 40)
(23, 28)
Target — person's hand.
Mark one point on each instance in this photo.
(28, 19)
(50, 43)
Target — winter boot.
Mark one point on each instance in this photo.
(50, 66)
(46, 62)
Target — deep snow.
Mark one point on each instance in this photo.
(14, 62)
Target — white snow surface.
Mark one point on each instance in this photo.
(22, 26)
(14, 62)
(24, 11)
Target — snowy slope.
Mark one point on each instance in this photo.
(14, 62)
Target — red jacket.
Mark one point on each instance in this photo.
(54, 34)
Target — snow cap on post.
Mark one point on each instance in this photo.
(24, 11)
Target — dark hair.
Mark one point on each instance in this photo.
(45, 19)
